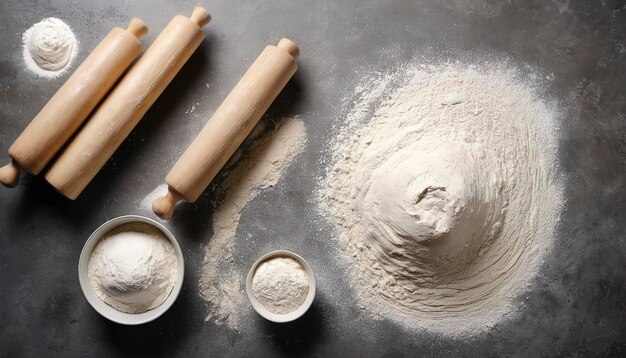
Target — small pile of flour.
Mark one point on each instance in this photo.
(269, 157)
(49, 47)
(280, 285)
(444, 196)
(133, 269)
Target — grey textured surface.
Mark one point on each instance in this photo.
(578, 305)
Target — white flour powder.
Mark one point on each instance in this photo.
(444, 197)
(280, 285)
(221, 284)
(133, 269)
(49, 47)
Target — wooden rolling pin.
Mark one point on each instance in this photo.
(116, 117)
(73, 102)
(229, 126)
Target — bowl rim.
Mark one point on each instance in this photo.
(264, 312)
(100, 306)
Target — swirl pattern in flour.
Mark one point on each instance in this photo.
(49, 47)
(446, 197)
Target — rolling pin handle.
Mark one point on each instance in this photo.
(289, 46)
(163, 207)
(137, 28)
(200, 16)
(9, 175)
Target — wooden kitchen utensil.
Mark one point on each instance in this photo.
(229, 126)
(113, 121)
(73, 102)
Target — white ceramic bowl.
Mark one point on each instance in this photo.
(264, 312)
(99, 305)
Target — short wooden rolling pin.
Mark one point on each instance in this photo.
(229, 126)
(73, 102)
(120, 112)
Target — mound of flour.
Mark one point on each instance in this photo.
(49, 47)
(444, 196)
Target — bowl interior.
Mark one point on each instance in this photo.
(99, 305)
(264, 312)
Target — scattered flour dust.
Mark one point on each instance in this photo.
(49, 47)
(221, 284)
(444, 193)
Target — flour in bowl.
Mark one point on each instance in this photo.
(134, 268)
(280, 285)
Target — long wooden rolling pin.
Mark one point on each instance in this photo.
(73, 102)
(128, 102)
(229, 126)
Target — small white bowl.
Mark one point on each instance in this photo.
(99, 305)
(264, 312)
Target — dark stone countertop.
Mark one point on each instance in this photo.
(577, 306)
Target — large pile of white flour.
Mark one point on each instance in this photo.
(445, 196)
(49, 47)
(221, 282)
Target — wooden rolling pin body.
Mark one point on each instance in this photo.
(73, 102)
(229, 126)
(128, 102)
